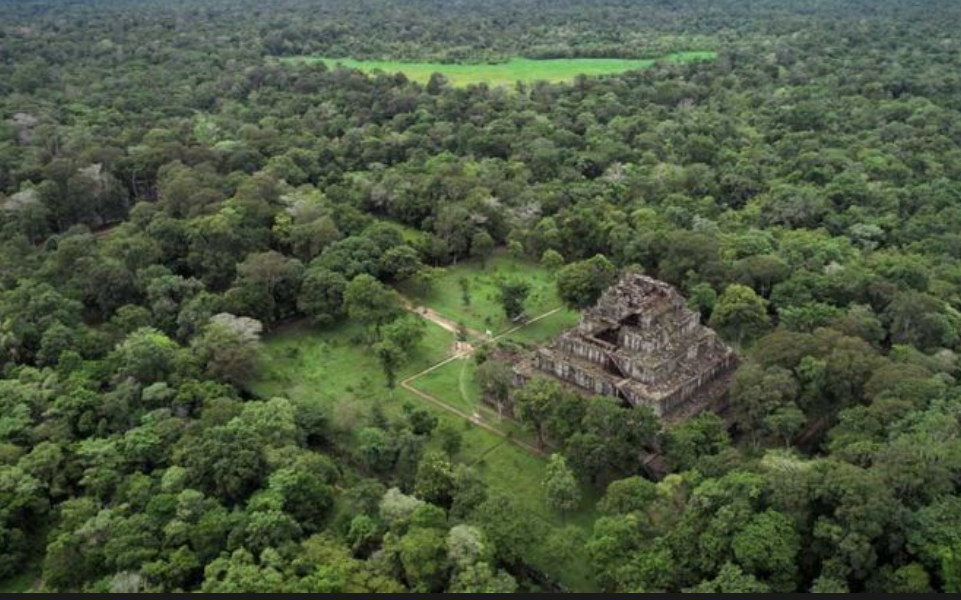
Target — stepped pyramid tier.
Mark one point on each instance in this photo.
(640, 343)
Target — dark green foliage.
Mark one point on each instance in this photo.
(581, 284)
(170, 189)
(226, 462)
(512, 296)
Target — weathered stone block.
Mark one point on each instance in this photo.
(640, 343)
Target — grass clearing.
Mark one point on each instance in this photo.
(527, 70)
(334, 367)
(484, 311)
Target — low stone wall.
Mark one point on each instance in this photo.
(595, 383)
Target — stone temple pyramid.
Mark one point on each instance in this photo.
(642, 344)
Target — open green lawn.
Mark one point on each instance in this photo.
(455, 383)
(334, 367)
(507, 73)
(484, 311)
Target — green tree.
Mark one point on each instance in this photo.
(768, 547)
(512, 295)
(276, 276)
(533, 405)
(703, 299)
(611, 439)
(688, 443)
(516, 250)
(309, 240)
(371, 302)
(495, 378)
(451, 439)
(467, 546)
(560, 486)
(397, 341)
(581, 284)
(731, 579)
(377, 449)
(552, 260)
(391, 357)
(423, 555)
(435, 479)
(322, 295)
(757, 394)
(303, 494)
(405, 332)
(481, 578)
(225, 462)
(740, 314)
(147, 355)
(482, 246)
(229, 348)
(786, 422)
(506, 526)
(634, 494)
(465, 296)
(421, 421)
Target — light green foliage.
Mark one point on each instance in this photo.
(768, 547)
(507, 73)
(581, 284)
(634, 494)
(230, 348)
(484, 311)
(435, 479)
(423, 554)
(397, 508)
(467, 546)
(482, 579)
(371, 302)
(560, 486)
(147, 355)
(740, 314)
(732, 580)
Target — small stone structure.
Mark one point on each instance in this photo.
(642, 344)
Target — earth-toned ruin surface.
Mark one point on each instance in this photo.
(640, 343)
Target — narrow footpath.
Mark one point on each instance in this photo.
(465, 354)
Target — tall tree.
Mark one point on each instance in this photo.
(581, 284)
(560, 486)
(533, 405)
(230, 348)
(512, 295)
(740, 314)
(371, 302)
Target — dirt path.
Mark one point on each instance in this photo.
(435, 317)
(476, 419)
(473, 419)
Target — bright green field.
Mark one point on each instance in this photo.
(334, 367)
(507, 73)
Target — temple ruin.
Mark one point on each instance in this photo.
(640, 343)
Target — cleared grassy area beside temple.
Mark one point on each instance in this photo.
(333, 366)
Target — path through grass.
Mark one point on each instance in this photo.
(333, 367)
(484, 312)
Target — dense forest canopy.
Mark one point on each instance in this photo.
(173, 193)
